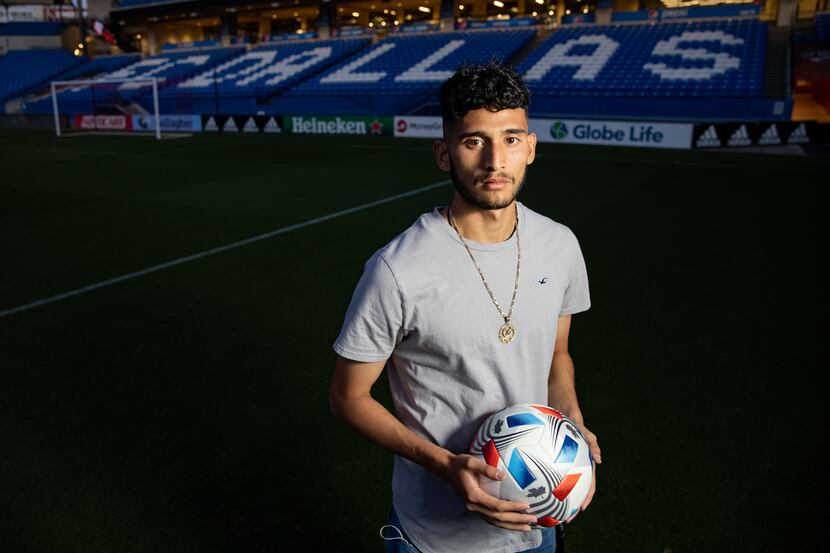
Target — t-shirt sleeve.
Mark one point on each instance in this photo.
(577, 297)
(374, 320)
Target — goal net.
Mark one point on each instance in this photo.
(108, 106)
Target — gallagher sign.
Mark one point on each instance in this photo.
(613, 133)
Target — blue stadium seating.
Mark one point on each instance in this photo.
(823, 26)
(169, 68)
(33, 28)
(696, 59)
(259, 73)
(89, 70)
(403, 70)
(401, 64)
(22, 71)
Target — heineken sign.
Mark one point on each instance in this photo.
(326, 124)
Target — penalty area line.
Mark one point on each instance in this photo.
(214, 251)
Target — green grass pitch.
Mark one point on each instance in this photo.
(186, 410)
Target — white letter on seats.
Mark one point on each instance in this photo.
(346, 73)
(206, 79)
(189, 60)
(723, 62)
(420, 71)
(287, 68)
(589, 66)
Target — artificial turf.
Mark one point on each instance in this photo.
(186, 409)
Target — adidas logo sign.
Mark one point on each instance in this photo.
(799, 135)
(709, 139)
(739, 138)
(271, 126)
(210, 126)
(250, 126)
(230, 125)
(770, 136)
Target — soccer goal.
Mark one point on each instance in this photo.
(108, 106)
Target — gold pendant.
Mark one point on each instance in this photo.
(506, 333)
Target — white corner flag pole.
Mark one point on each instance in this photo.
(55, 111)
(156, 107)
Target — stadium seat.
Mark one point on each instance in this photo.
(723, 58)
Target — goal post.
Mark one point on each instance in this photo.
(106, 105)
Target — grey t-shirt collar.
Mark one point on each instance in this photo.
(437, 220)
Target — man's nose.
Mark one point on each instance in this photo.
(494, 157)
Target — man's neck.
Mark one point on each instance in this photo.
(486, 226)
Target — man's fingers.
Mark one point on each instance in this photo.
(505, 517)
(590, 495)
(596, 452)
(508, 526)
(490, 472)
(500, 505)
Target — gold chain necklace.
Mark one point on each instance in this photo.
(507, 331)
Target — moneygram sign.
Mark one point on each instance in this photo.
(407, 126)
(300, 124)
(613, 133)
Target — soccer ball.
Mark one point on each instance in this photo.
(546, 460)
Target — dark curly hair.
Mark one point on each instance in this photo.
(492, 86)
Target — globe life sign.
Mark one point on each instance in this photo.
(636, 133)
(613, 133)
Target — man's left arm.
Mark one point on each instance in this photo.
(562, 394)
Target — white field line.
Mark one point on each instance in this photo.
(213, 251)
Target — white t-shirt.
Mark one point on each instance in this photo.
(421, 304)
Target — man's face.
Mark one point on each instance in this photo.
(487, 154)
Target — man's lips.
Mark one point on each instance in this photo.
(495, 184)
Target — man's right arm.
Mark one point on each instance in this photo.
(351, 400)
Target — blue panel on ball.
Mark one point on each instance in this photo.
(568, 452)
(523, 419)
(519, 471)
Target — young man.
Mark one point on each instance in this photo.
(469, 311)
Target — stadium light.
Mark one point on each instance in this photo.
(355, 14)
(534, 14)
(540, 2)
(567, 12)
(498, 3)
(585, 10)
(424, 9)
(550, 13)
(371, 24)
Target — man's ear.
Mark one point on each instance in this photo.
(442, 155)
(531, 141)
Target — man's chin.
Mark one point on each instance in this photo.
(489, 201)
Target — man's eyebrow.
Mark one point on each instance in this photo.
(481, 134)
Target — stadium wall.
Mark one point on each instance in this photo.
(29, 42)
